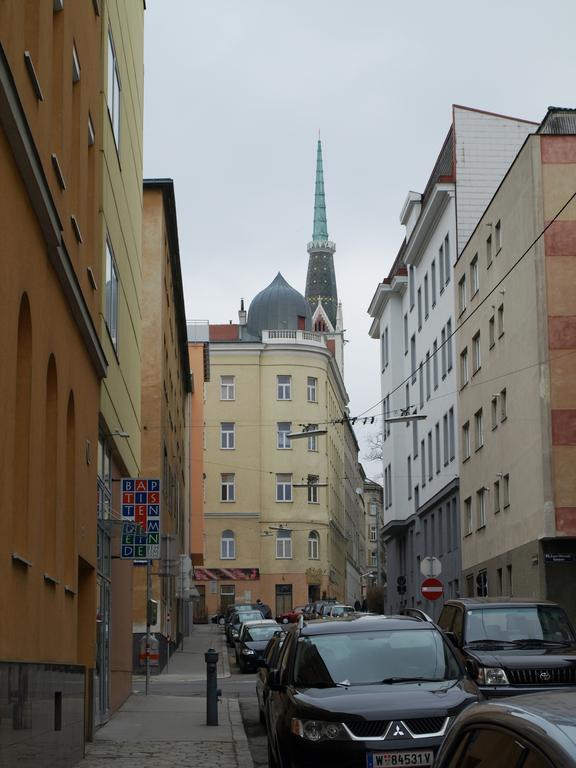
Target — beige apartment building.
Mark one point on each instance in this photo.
(274, 509)
(516, 346)
(165, 394)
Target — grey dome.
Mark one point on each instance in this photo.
(278, 307)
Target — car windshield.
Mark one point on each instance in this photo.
(361, 658)
(264, 632)
(248, 616)
(341, 610)
(545, 623)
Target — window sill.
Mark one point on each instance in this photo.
(479, 448)
(494, 426)
(468, 534)
(476, 371)
(284, 558)
(503, 419)
(227, 501)
(481, 527)
(506, 506)
(283, 501)
(463, 386)
(475, 293)
(492, 345)
(500, 335)
(462, 312)
(465, 459)
(498, 251)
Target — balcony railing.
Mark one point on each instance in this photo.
(293, 337)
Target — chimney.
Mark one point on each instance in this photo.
(242, 313)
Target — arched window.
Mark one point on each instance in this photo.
(284, 545)
(22, 411)
(313, 545)
(227, 546)
(51, 467)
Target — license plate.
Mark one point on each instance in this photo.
(400, 757)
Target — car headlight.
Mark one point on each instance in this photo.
(247, 652)
(492, 676)
(318, 730)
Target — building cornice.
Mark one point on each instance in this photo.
(427, 221)
(395, 285)
(21, 141)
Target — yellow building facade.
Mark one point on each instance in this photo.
(274, 507)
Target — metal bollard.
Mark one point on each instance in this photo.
(211, 658)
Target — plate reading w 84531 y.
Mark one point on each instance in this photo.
(422, 757)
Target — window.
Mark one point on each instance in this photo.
(75, 65)
(462, 294)
(503, 411)
(284, 387)
(447, 258)
(430, 457)
(494, 404)
(441, 267)
(443, 345)
(313, 439)
(499, 582)
(406, 334)
(452, 436)
(433, 281)
(409, 477)
(283, 487)
(464, 367)
(446, 438)
(419, 308)
(283, 430)
(481, 508)
(449, 360)
(227, 388)
(474, 279)
(313, 545)
(491, 334)
(373, 559)
(438, 455)
(496, 500)
(413, 357)
(228, 487)
(426, 299)
(312, 389)
(476, 354)
(427, 375)
(227, 546)
(313, 489)
(510, 583)
(506, 491)
(489, 251)
(227, 435)
(384, 349)
(415, 438)
(111, 296)
(373, 533)
(498, 236)
(423, 462)
(421, 380)
(411, 279)
(466, 441)
(113, 94)
(501, 320)
(284, 545)
(468, 515)
(478, 430)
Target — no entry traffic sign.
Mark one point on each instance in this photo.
(432, 589)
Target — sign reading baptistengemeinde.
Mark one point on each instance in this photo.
(140, 509)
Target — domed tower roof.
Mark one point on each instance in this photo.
(278, 307)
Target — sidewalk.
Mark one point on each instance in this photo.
(162, 731)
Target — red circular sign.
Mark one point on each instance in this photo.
(432, 589)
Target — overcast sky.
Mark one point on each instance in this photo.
(237, 90)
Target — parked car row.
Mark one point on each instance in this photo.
(367, 690)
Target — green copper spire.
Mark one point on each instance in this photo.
(320, 224)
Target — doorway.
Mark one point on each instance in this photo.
(283, 598)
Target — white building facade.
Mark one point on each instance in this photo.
(415, 320)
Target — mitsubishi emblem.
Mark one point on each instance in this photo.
(398, 731)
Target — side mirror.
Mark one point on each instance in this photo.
(274, 681)
(453, 638)
(472, 668)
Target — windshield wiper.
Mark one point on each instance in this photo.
(533, 641)
(393, 680)
(490, 642)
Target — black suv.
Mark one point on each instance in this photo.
(363, 692)
(512, 646)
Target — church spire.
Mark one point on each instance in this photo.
(321, 291)
(320, 232)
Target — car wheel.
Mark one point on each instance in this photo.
(284, 620)
(221, 621)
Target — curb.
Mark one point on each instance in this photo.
(240, 740)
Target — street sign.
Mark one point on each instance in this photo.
(430, 566)
(140, 510)
(432, 589)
